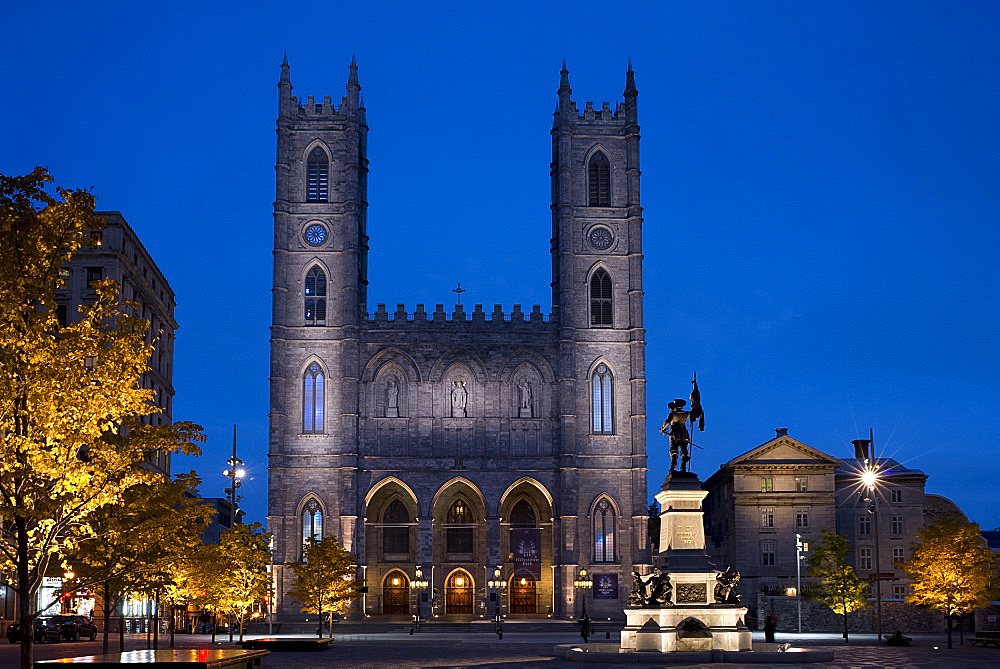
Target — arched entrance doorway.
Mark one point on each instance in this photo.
(458, 593)
(522, 593)
(396, 594)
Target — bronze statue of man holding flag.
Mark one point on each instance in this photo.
(675, 426)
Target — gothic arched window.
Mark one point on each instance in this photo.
(312, 523)
(459, 529)
(396, 529)
(522, 515)
(601, 384)
(599, 180)
(317, 176)
(315, 295)
(313, 399)
(604, 532)
(600, 299)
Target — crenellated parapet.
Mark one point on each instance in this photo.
(477, 319)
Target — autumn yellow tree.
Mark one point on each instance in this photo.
(233, 575)
(837, 584)
(324, 580)
(142, 545)
(951, 568)
(65, 393)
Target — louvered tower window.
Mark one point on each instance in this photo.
(599, 180)
(600, 299)
(317, 176)
(315, 296)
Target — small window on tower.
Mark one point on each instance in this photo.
(599, 180)
(600, 299)
(317, 176)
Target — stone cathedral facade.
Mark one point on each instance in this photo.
(460, 448)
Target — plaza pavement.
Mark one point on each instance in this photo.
(379, 649)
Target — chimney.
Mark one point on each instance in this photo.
(781, 431)
(861, 448)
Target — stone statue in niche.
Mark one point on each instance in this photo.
(725, 588)
(524, 396)
(459, 398)
(392, 397)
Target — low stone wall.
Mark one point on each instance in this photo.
(896, 615)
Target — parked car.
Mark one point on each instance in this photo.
(45, 631)
(74, 627)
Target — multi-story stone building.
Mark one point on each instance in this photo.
(451, 445)
(758, 502)
(115, 252)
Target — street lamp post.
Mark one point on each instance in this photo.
(800, 548)
(418, 584)
(496, 584)
(586, 583)
(870, 477)
(235, 472)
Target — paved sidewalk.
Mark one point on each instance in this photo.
(378, 650)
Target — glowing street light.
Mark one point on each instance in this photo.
(235, 473)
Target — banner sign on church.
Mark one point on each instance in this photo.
(605, 586)
(526, 545)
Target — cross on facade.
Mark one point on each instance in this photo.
(458, 291)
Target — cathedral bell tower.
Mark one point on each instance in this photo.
(319, 304)
(597, 294)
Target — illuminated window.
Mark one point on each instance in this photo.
(458, 533)
(600, 300)
(767, 518)
(767, 484)
(801, 483)
(313, 399)
(317, 176)
(315, 297)
(312, 523)
(604, 532)
(599, 180)
(601, 384)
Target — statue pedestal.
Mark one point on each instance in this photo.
(695, 621)
(686, 629)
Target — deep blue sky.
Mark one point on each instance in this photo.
(820, 186)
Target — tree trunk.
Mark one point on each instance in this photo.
(173, 615)
(229, 619)
(319, 632)
(215, 622)
(24, 615)
(948, 615)
(330, 633)
(107, 616)
(121, 626)
(239, 621)
(156, 621)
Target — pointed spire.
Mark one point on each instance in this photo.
(630, 80)
(285, 78)
(564, 90)
(353, 87)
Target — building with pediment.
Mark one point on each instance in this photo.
(757, 503)
(445, 446)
